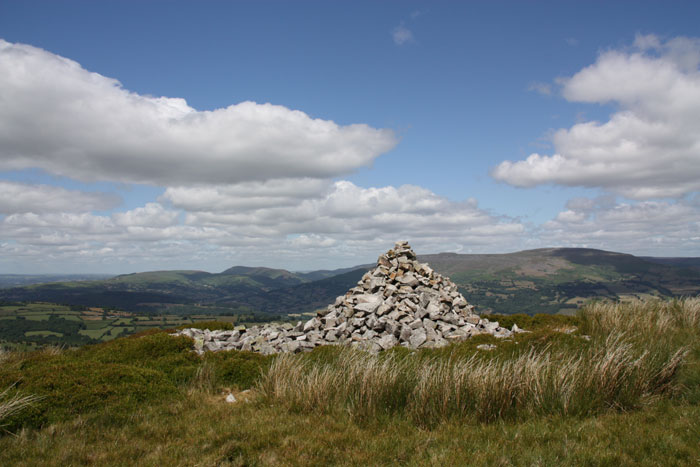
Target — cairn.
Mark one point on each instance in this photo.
(399, 302)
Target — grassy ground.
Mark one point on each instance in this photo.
(148, 400)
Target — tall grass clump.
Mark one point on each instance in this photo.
(11, 404)
(643, 319)
(616, 369)
(364, 384)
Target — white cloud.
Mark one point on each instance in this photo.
(18, 197)
(351, 212)
(245, 196)
(650, 147)
(333, 225)
(647, 227)
(151, 215)
(401, 35)
(59, 117)
(541, 88)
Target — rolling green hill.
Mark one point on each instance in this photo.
(552, 280)
(548, 280)
(21, 280)
(239, 289)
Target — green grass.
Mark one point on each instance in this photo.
(93, 333)
(37, 316)
(107, 327)
(115, 332)
(42, 333)
(70, 316)
(97, 324)
(614, 385)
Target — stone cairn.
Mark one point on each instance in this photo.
(399, 302)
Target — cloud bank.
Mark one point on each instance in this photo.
(652, 227)
(337, 225)
(26, 198)
(650, 146)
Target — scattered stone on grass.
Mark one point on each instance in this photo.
(399, 302)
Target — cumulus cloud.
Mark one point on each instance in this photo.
(245, 196)
(351, 212)
(150, 215)
(334, 225)
(401, 35)
(57, 116)
(28, 198)
(650, 146)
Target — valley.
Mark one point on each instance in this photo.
(551, 281)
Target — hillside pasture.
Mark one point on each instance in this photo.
(617, 384)
(33, 325)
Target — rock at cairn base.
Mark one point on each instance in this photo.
(399, 302)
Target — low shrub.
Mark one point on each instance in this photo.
(69, 387)
(159, 351)
(236, 369)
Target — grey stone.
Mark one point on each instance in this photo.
(473, 319)
(417, 338)
(368, 306)
(405, 333)
(388, 341)
(311, 324)
(486, 346)
(399, 302)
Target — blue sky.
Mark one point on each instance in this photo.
(197, 135)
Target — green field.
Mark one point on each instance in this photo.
(42, 333)
(33, 325)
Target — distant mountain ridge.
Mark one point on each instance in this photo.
(20, 280)
(548, 280)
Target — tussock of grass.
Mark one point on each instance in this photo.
(611, 373)
(643, 319)
(11, 404)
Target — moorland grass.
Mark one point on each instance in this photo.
(615, 385)
(610, 373)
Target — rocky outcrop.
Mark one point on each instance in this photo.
(399, 302)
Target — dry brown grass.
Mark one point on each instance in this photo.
(12, 403)
(610, 373)
(642, 318)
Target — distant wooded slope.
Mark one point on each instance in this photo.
(547, 280)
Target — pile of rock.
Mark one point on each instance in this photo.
(399, 302)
